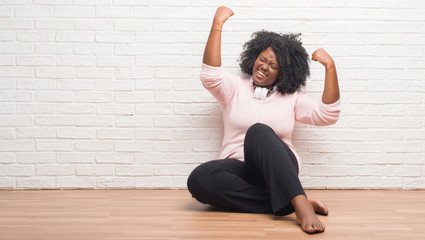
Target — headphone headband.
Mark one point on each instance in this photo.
(261, 92)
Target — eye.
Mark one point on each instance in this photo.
(262, 59)
(274, 66)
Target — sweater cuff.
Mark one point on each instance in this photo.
(336, 106)
(211, 71)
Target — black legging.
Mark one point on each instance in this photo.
(265, 183)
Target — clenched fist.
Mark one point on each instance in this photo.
(321, 56)
(221, 15)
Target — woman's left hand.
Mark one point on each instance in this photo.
(321, 56)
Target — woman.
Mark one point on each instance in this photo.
(258, 167)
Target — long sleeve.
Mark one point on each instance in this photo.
(309, 110)
(221, 85)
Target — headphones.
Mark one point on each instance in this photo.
(261, 92)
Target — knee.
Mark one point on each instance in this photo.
(199, 182)
(258, 131)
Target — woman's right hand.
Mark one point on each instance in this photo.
(221, 15)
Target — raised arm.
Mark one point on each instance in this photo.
(331, 90)
(212, 52)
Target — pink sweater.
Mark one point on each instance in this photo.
(241, 110)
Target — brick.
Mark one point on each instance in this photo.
(7, 108)
(17, 170)
(16, 24)
(75, 157)
(172, 49)
(16, 96)
(153, 182)
(7, 133)
(132, 146)
(93, 49)
(75, 37)
(313, 182)
(133, 121)
(94, 2)
(36, 183)
(134, 97)
(115, 183)
(413, 183)
(93, 146)
(53, 2)
(36, 158)
(56, 72)
(54, 145)
(55, 96)
(116, 158)
(53, 48)
(16, 121)
(153, 158)
(132, 25)
(33, 11)
(148, 134)
(75, 108)
(17, 72)
(36, 60)
(402, 171)
(7, 183)
(155, 37)
(115, 133)
(384, 182)
(114, 37)
(135, 73)
(74, 12)
(90, 73)
(174, 169)
(112, 85)
(346, 182)
(94, 97)
(36, 132)
(73, 84)
(95, 170)
(7, 158)
(115, 109)
(97, 25)
(94, 121)
(76, 133)
(114, 12)
(76, 61)
(131, 2)
(134, 170)
(154, 109)
(54, 121)
(115, 61)
(133, 49)
(55, 170)
(57, 24)
(155, 61)
(154, 85)
(76, 183)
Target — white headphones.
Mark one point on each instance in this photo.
(261, 92)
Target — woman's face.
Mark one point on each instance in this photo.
(266, 69)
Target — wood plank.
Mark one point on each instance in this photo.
(173, 214)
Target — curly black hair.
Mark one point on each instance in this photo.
(291, 55)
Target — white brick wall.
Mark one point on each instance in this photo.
(106, 94)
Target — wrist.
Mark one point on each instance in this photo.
(330, 65)
(217, 25)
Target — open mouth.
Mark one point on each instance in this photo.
(261, 74)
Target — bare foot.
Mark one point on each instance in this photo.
(306, 217)
(319, 207)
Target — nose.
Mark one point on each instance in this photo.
(264, 67)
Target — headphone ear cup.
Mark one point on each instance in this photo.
(264, 92)
(257, 92)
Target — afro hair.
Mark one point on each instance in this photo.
(291, 55)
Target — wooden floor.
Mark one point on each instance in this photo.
(173, 214)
